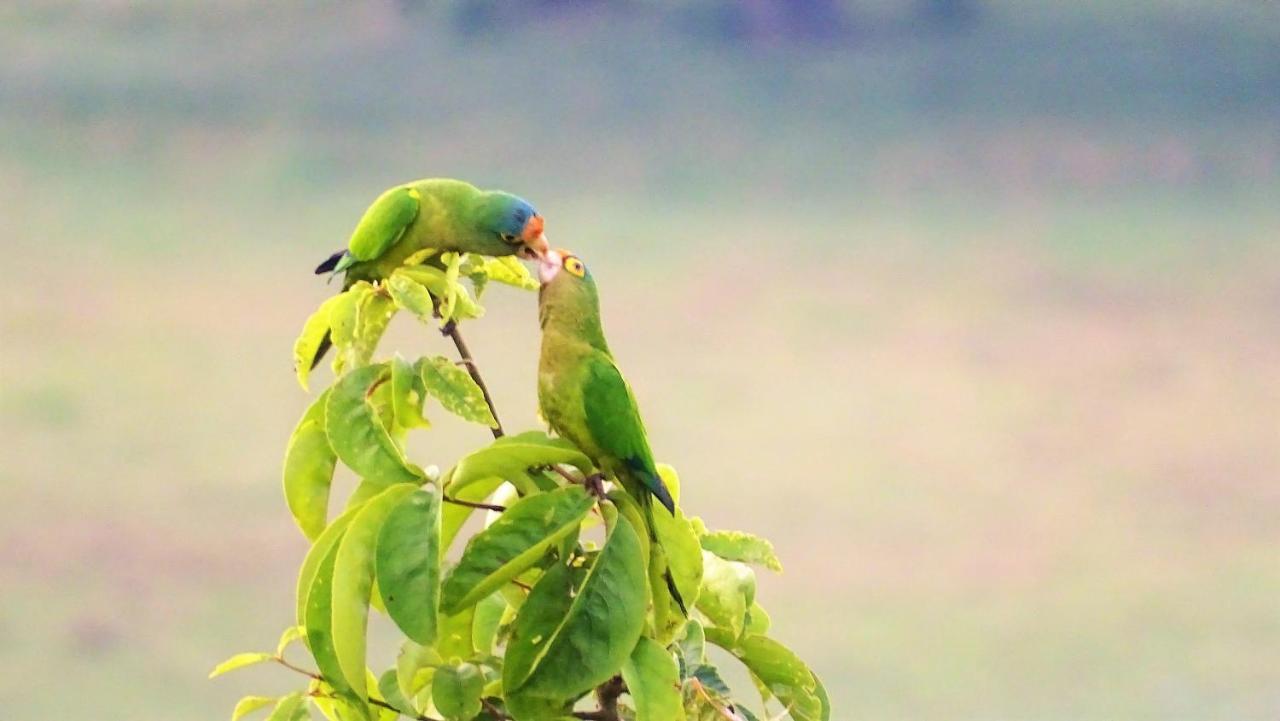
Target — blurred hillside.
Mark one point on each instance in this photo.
(968, 304)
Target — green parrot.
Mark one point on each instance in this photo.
(581, 392)
(439, 213)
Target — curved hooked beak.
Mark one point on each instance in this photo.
(549, 265)
(534, 240)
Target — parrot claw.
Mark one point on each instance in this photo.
(595, 485)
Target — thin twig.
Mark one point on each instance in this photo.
(473, 504)
(450, 329)
(376, 702)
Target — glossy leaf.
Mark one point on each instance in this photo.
(308, 470)
(408, 564)
(249, 704)
(484, 630)
(407, 395)
(315, 557)
(240, 660)
(343, 317)
(510, 271)
(653, 680)
(290, 708)
(309, 340)
(517, 541)
(456, 690)
(778, 672)
(693, 646)
(743, 547)
(389, 689)
(291, 634)
(509, 458)
(683, 554)
(319, 621)
(456, 640)
(570, 637)
(758, 621)
(372, 317)
(455, 390)
(353, 571)
(411, 295)
(414, 667)
(728, 590)
(357, 434)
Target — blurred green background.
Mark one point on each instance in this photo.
(970, 305)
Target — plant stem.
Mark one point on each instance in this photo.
(450, 329)
(473, 504)
(607, 695)
(313, 675)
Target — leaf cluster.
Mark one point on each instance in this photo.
(533, 615)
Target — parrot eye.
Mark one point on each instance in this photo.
(508, 238)
(575, 266)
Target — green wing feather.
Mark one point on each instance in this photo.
(613, 419)
(383, 223)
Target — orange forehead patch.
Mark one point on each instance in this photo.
(532, 228)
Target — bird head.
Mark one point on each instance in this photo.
(515, 222)
(552, 263)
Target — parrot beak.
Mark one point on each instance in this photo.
(534, 239)
(549, 266)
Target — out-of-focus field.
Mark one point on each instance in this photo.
(994, 366)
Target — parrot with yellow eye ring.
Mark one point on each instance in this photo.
(438, 213)
(581, 392)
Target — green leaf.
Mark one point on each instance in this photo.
(511, 457)
(489, 613)
(758, 621)
(744, 547)
(249, 704)
(343, 317)
(408, 564)
(519, 539)
(693, 647)
(728, 590)
(455, 390)
(389, 688)
(353, 583)
(291, 634)
(358, 436)
(319, 618)
(777, 669)
(372, 317)
(315, 558)
(570, 637)
(653, 680)
(308, 470)
(415, 666)
(456, 690)
(411, 295)
(679, 544)
(510, 271)
(240, 660)
(308, 342)
(290, 708)
(407, 395)
(456, 640)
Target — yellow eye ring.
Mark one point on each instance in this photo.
(575, 267)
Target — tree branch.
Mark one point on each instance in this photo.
(450, 329)
(473, 504)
